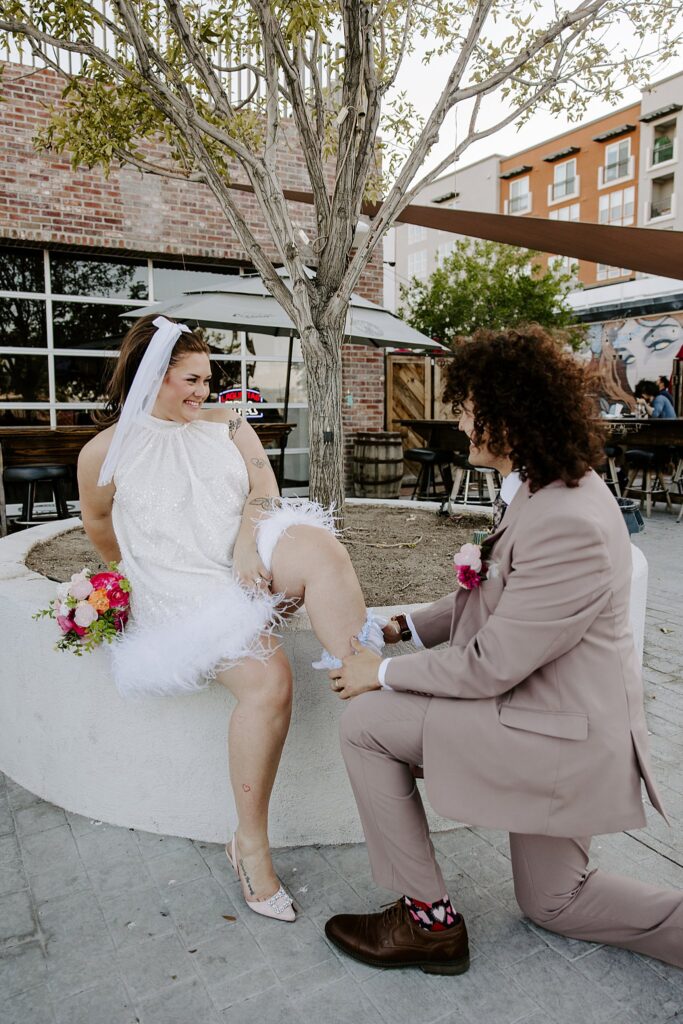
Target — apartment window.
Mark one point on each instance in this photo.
(520, 197)
(565, 181)
(570, 212)
(417, 264)
(617, 161)
(416, 233)
(444, 251)
(662, 197)
(663, 143)
(618, 207)
(606, 273)
(565, 264)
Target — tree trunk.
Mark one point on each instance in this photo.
(323, 362)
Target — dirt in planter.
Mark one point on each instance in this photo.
(401, 555)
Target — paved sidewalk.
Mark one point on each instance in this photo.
(103, 925)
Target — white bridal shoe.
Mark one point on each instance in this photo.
(279, 906)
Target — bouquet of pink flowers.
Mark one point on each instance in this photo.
(90, 608)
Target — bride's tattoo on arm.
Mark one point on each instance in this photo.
(234, 426)
(267, 504)
(259, 463)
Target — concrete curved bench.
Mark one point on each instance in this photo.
(161, 764)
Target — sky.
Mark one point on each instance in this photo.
(423, 84)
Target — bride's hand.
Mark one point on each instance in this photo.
(248, 568)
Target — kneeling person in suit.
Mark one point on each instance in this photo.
(531, 719)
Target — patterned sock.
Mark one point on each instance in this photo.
(433, 917)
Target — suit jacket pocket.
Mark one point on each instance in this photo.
(566, 725)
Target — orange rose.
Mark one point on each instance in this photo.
(99, 600)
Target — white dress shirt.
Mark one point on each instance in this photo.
(509, 487)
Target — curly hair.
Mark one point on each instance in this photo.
(531, 402)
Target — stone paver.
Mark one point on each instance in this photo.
(101, 925)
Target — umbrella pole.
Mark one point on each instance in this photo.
(283, 443)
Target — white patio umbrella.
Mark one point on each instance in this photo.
(245, 304)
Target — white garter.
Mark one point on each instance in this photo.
(290, 512)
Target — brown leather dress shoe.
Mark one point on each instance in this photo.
(390, 939)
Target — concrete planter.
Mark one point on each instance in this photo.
(161, 764)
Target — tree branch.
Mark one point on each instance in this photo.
(311, 150)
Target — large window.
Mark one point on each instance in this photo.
(61, 328)
(520, 196)
(565, 181)
(417, 264)
(570, 213)
(618, 207)
(618, 164)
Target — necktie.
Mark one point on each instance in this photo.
(498, 507)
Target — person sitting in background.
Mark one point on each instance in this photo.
(651, 399)
(664, 385)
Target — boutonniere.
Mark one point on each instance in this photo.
(472, 566)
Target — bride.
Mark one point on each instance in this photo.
(185, 500)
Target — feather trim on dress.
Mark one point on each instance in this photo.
(182, 653)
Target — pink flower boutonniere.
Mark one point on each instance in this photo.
(471, 567)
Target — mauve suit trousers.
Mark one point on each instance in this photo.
(382, 736)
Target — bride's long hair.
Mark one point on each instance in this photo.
(133, 348)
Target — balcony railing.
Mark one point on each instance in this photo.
(618, 171)
(519, 204)
(663, 150)
(662, 207)
(567, 189)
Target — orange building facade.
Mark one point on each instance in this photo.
(588, 174)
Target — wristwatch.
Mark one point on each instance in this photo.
(405, 633)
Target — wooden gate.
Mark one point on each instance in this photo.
(414, 388)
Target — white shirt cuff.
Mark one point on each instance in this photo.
(416, 635)
(381, 672)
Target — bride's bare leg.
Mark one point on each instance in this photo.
(256, 735)
(310, 563)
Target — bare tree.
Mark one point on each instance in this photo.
(224, 82)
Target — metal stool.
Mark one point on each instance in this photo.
(653, 487)
(32, 475)
(429, 460)
(477, 484)
(608, 471)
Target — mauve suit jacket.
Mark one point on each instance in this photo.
(537, 723)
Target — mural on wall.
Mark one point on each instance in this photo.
(644, 346)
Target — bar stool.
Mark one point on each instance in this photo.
(608, 471)
(429, 460)
(653, 487)
(31, 476)
(472, 485)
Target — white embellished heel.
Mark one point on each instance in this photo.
(370, 635)
(279, 906)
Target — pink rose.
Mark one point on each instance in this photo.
(84, 614)
(64, 623)
(469, 555)
(118, 598)
(80, 586)
(105, 580)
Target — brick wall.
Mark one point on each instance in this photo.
(44, 201)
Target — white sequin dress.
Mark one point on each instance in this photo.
(180, 492)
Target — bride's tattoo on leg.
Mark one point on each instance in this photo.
(247, 879)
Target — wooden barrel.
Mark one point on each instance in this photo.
(377, 464)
